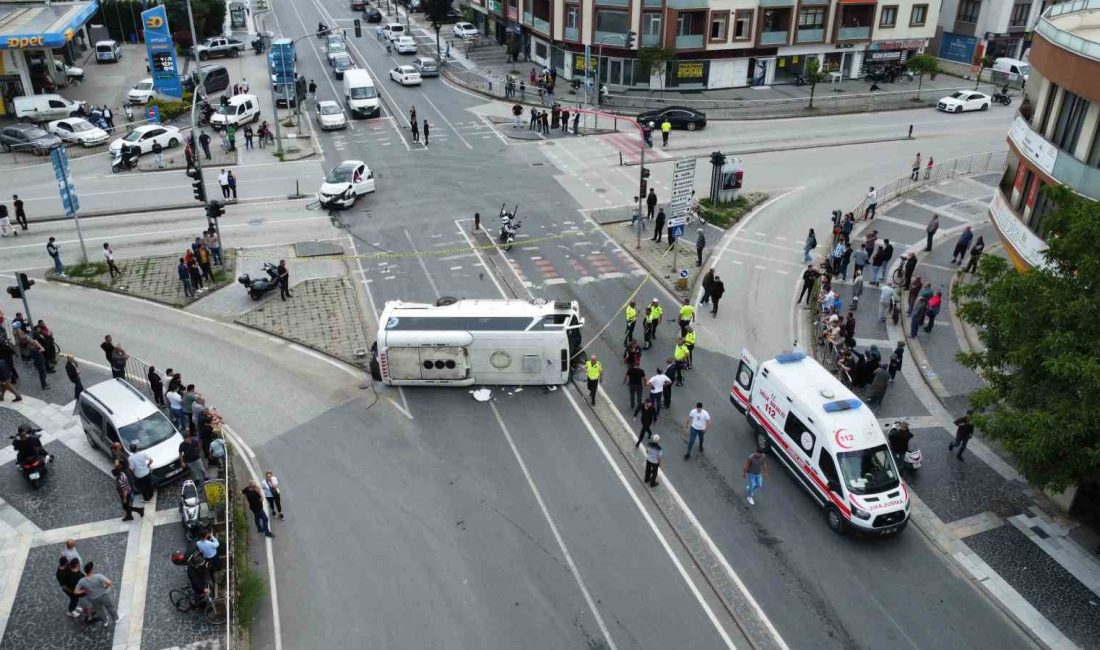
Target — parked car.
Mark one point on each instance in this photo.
(28, 137)
(330, 115)
(72, 73)
(393, 30)
(142, 91)
(145, 135)
(334, 45)
(680, 117)
(43, 108)
(358, 5)
(372, 15)
(964, 100)
(219, 46)
(340, 64)
(405, 45)
(78, 130)
(345, 183)
(426, 66)
(406, 75)
(465, 30)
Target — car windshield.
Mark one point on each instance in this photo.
(153, 430)
(34, 134)
(960, 95)
(330, 109)
(133, 136)
(1025, 70)
(363, 92)
(340, 173)
(81, 126)
(144, 85)
(337, 46)
(869, 471)
(342, 59)
(227, 109)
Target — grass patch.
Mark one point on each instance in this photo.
(89, 270)
(251, 588)
(727, 214)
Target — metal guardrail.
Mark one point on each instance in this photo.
(1064, 38)
(978, 163)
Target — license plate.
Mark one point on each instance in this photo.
(34, 475)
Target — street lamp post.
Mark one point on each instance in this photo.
(200, 86)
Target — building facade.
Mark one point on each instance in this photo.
(1055, 138)
(716, 43)
(971, 29)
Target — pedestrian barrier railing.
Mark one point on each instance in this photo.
(979, 163)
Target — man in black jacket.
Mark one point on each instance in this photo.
(659, 226)
(717, 290)
(962, 434)
(650, 204)
(649, 416)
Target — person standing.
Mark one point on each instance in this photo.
(755, 471)
(517, 112)
(811, 243)
(928, 167)
(910, 266)
(659, 226)
(204, 142)
(97, 589)
(716, 292)
(249, 134)
(284, 280)
(650, 204)
(657, 384)
(140, 468)
(20, 212)
(313, 91)
(125, 494)
(592, 370)
(414, 126)
(809, 276)
(653, 456)
(54, 251)
(698, 422)
(426, 128)
(649, 409)
(188, 398)
(565, 121)
(896, 360)
(666, 130)
(700, 244)
(256, 505)
(70, 553)
(231, 137)
(631, 320)
(208, 545)
(885, 297)
(274, 498)
(975, 255)
(916, 317)
(185, 279)
(880, 380)
(930, 231)
(934, 305)
(671, 368)
(109, 257)
(189, 155)
(915, 173)
(68, 575)
(845, 260)
(223, 182)
(190, 454)
(38, 358)
(961, 246)
(158, 154)
(156, 385)
(576, 123)
(73, 372)
(635, 381)
(175, 408)
(963, 432)
(232, 184)
(118, 362)
(708, 286)
(687, 315)
(5, 222)
(872, 204)
(109, 116)
(7, 380)
(534, 120)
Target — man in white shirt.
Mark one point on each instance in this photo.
(223, 181)
(140, 465)
(109, 256)
(657, 385)
(872, 204)
(698, 421)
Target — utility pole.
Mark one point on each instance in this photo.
(641, 196)
(200, 86)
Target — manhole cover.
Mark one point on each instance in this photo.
(536, 164)
(599, 190)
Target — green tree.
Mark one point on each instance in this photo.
(653, 61)
(436, 13)
(985, 62)
(813, 76)
(923, 64)
(1040, 329)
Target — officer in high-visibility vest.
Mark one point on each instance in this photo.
(689, 341)
(631, 320)
(652, 320)
(687, 314)
(680, 356)
(593, 370)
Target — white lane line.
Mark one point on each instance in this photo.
(649, 520)
(492, 126)
(741, 225)
(420, 259)
(554, 529)
(398, 407)
(488, 271)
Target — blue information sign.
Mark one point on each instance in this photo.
(69, 200)
(677, 231)
(161, 52)
(152, 114)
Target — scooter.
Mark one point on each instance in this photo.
(189, 510)
(509, 224)
(34, 468)
(206, 111)
(95, 117)
(258, 45)
(260, 286)
(129, 110)
(126, 158)
(911, 459)
(1002, 97)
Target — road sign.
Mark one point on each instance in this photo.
(161, 52)
(677, 221)
(69, 200)
(683, 181)
(152, 114)
(676, 231)
(684, 273)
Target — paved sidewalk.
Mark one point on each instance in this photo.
(980, 510)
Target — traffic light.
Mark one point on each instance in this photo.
(214, 209)
(198, 190)
(717, 159)
(358, 29)
(645, 173)
(630, 36)
(25, 283)
(15, 292)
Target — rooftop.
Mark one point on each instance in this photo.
(1073, 26)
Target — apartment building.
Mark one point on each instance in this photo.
(970, 29)
(1055, 138)
(717, 43)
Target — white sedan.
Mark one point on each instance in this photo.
(405, 45)
(406, 75)
(145, 135)
(465, 30)
(345, 183)
(964, 100)
(142, 91)
(330, 115)
(78, 130)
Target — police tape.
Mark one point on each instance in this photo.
(428, 253)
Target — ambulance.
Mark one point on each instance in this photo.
(827, 437)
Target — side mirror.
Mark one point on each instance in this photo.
(834, 487)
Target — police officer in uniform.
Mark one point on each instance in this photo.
(680, 356)
(631, 320)
(593, 369)
(652, 320)
(687, 314)
(689, 341)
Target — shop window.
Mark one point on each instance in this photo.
(541, 50)
(719, 22)
(742, 25)
(968, 11)
(611, 22)
(918, 15)
(1093, 159)
(1071, 116)
(889, 16)
(1040, 211)
(1048, 106)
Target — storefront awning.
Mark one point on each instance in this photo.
(38, 26)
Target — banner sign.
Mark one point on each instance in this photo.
(161, 52)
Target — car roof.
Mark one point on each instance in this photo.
(406, 68)
(21, 126)
(326, 102)
(126, 403)
(347, 164)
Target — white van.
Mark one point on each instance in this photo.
(114, 411)
(107, 52)
(44, 108)
(360, 95)
(1011, 70)
(237, 111)
(393, 31)
(828, 438)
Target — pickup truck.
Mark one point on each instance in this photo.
(219, 46)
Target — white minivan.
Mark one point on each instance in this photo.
(238, 110)
(1012, 71)
(114, 411)
(827, 437)
(360, 95)
(107, 52)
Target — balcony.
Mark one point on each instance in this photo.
(527, 18)
(651, 40)
(776, 3)
(495, 6)
(1066, 169)
(774, 38)
(689, 42)
(541, 25)
(854, 33)
(1059, 23)
(809, 36)
(684, 4)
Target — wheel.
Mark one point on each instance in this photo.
(445, 300)
(254, 294)
(691, 126)
(116, 168)
(958, 109)
(181, 600)
(984, 107)
(1006, 101)
(210, 612)
(203, 56)
(35, 482)
(235, 53)
(835, 520)
(173, 143)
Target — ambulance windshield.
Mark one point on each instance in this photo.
(869, 471)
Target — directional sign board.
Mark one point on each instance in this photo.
(69, 199)
(683, 182)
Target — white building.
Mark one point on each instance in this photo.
(970, 29)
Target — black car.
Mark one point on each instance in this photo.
(680, 117)
(453, 16)
(28, 137)
(372, 15)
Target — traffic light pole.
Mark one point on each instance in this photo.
(194, 154)
(641, 196)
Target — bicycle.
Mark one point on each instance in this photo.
(185, 601)
(898, 275)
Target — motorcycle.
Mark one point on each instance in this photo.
(1002, 97)
(206, 111)
(31, 456)
(509, 224)
(129, 110)
(907, 459)
(126, 158)
(95, 117)
(258, 45)
(260, 286)
(189, 510)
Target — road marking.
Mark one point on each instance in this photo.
(554, 529)
(744, 222)
(477, 251)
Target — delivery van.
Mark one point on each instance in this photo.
(360, 95)
(236, 111)
(44, 108)
(1012, 71)
(107, 52)
(827, 438)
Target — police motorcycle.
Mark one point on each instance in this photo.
(509, 224)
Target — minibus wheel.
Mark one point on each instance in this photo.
(835, 520)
